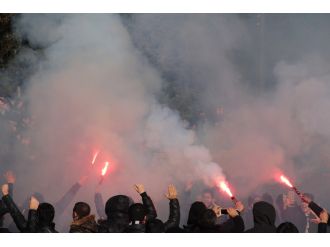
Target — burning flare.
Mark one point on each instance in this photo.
(94, 157)
(105, 168)
(286, 181)
(225, 188)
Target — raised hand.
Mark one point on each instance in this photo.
(5, 189)
(171, 192)
(139, 188)
(34, 203)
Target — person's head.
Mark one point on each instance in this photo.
(46, 213)
(155, 226)
(118, 204)
(208, 198)
(195, 212)
(80, 210)
(207, 219)
(287, 227)
(264, 213)
(137, 212)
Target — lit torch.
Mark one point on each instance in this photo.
(94, 157)
(104, 171)
(286, 181)
(226, 189)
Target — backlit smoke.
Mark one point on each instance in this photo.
(93, 88)
(263, 91)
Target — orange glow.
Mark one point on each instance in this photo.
(225, 188)
(286, 181)
(105, 168)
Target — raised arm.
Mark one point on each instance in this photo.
(147, 202)
(33, 217)
(99, 204)
(174, 217)
(15, 213)
(67, 198)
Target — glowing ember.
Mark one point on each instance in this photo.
(105, 168)
(94, 157)
(225, 188)
(286, 181)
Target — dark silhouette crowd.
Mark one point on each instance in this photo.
(120, 214)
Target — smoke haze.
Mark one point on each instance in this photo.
(99, 85)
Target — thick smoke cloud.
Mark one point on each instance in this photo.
(100, 79)
(93, 90)
(269, 76)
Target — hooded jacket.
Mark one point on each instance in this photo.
(84, 225)
(137, 227)
(195, 212)
(151, 214)
(116, 209)
(173, 221)
(35, 226)
(264, 218)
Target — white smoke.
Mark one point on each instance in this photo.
(94, 90)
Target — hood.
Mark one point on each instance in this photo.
(118, 203)
(264, 213)
(196, 210)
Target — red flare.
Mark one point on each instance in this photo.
(94, 157)
(226, 189)
(286, 181)
(105, 168)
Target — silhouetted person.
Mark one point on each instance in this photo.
(264, 218)
(83, 221)
(287, 227)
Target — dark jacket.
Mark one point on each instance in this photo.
(264, 218)
(157, 226)
(317, 209)
(149, 206)
(84, 225)
(3, 208)
(151, 214)
(116, 209)
(322, 228)
(174, 217)
(136, 228)
(195, 212)
(32, 225)
(35, 226)
(15, 213)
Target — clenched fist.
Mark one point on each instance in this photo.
(5, 189)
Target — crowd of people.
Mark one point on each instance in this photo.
(120, 214)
